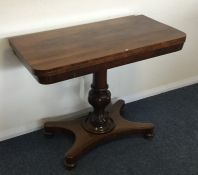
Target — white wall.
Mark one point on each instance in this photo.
(24, 102)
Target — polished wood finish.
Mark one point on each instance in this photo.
(85, 141)
(99, 97)
(102, 124)
(61, 54)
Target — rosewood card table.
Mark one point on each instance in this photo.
(66, 53)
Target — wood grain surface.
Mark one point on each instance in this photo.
(61, 54)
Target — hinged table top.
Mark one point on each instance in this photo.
(61, 54)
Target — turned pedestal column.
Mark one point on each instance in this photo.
(99, 121)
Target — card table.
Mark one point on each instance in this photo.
(62, 54)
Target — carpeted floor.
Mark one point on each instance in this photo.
(173, 151)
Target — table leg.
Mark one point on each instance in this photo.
(101, 125)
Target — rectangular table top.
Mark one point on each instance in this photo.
(61, 54)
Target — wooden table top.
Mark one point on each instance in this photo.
(61, 54)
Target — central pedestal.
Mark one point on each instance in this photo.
(104, 123)
(99, 121)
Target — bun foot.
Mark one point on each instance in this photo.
(149, 135)
(69, 165)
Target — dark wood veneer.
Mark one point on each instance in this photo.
(61, 54)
